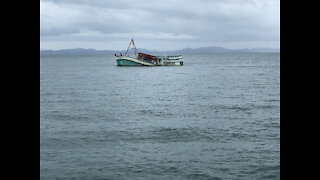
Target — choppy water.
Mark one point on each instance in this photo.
(216, 117)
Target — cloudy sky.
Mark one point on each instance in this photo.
(159, 24)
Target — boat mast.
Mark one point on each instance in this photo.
(133, 46)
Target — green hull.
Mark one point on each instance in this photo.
(128, 61)
(124, 62)
(167, 61)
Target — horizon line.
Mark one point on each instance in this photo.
(257, 48)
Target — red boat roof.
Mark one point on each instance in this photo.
(147, 55)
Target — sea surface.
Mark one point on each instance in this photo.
(216, 117)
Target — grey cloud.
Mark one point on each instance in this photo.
(180, 20)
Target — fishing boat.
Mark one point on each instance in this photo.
(142, 59)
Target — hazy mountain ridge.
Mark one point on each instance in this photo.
(214, 49)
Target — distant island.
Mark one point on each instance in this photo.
(201, 50)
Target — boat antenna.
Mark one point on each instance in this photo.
(133, 47)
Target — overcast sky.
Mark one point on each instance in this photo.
(159, 24)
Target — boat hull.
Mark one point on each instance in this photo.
(124, 62)
(128, 61)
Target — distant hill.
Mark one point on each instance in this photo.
(201, 50)
(79, 51)
(214, 49)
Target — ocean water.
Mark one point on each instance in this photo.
(216, 117)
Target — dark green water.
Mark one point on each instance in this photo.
(216, 117)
